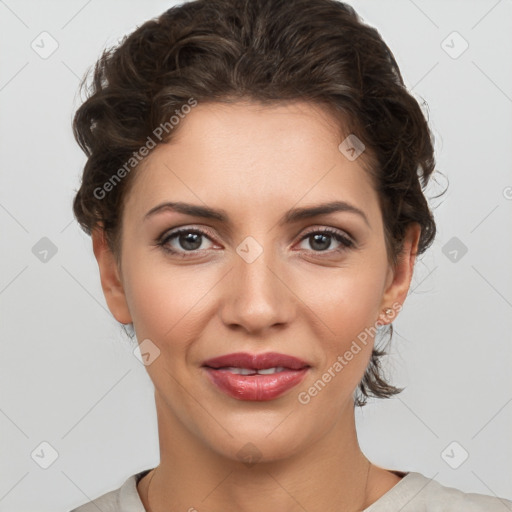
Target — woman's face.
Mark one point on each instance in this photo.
(255, 277)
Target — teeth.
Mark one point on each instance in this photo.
(250, 371)
(241, 371)
(268, 371)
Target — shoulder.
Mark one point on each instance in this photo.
(108, 502)
(418, 493)
(437, 497)
(124, 499)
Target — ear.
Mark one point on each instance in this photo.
(399, 277)
(111, 282)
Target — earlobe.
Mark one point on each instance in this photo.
(399, 278)
(111, 282)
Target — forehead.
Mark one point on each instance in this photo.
(252, 155)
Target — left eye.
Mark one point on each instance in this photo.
(321, 240)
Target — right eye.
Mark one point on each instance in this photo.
(183, 241)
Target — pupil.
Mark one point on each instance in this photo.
(191, 241)
(318, 237)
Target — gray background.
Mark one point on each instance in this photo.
(68, 375)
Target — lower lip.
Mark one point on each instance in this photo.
(255, 387)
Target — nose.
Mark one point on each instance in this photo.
(257, 296)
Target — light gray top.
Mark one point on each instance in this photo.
(413, 493)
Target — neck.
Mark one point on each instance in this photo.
(332, 474)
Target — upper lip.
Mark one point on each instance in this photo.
(256, 361)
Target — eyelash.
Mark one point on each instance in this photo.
(346, 243)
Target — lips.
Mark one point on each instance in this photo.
(259, 377)
(256, 361)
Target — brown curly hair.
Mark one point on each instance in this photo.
(266, 51)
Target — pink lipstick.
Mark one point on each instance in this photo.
(255, 376)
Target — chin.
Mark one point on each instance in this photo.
(266, 438)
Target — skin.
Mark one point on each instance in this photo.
(255, 162)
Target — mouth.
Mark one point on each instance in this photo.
(256, 377)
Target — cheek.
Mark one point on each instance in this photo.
(346, 300)
(166, 304)
(347, 308)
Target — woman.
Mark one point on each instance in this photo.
(253, 190)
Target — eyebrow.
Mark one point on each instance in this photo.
(293, 215)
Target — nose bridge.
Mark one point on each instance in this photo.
(257, 297)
